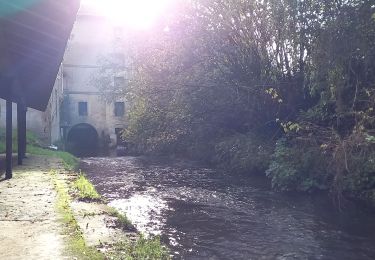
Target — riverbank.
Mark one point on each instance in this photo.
(44, 214)
(288, 165)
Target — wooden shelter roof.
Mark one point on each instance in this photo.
(33, 38)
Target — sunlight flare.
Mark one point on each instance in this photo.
(137, 14)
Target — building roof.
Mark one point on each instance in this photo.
(33, 38)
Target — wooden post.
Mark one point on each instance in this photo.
(24, 140)
(21, 131)
(8, 134)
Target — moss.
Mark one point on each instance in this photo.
(85, 189)
(76, 246)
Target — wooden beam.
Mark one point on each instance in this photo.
(8, 134)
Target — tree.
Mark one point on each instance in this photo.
(227, 78)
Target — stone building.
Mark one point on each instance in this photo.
(78, 115)
(88, 120)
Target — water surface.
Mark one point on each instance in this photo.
(203, 214)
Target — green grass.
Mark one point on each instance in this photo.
(85, 189)
(34, 147)
(70, 161)
(31, 139)
(148, 249)
(76, 246)
(142, 249)
(122, 219)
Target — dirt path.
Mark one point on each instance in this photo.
(29, 224)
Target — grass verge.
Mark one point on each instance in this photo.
(70, 161)
(34, 147)
(85, 189)
(76, 245)
(143, 248)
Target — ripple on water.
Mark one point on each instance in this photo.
(203, 214)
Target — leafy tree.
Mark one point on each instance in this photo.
(222, 80)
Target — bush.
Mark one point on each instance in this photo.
(360, 182)
(307, 166)
(243, 153)
(297, 166)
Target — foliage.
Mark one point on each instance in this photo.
(341, 166)
(243, 153)
(297, 166)
(219, 77)
(85, 189)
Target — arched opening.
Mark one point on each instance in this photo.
(82, 140)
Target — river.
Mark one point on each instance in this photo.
(204, 214)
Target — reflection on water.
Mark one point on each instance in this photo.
(203, 214)
(144, 211)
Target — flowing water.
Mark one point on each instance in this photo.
(204, 214)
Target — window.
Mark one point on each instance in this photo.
(82, 108)
(119, 81)
(119, 108)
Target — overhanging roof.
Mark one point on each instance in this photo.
(33, 39)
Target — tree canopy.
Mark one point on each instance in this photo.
(285, 86)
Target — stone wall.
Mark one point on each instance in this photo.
(92, 39)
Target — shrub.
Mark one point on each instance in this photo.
(243, 153)
(298, 166)
(345, 167)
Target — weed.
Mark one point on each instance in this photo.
(143, 248)
(85, 189)
(122, 219)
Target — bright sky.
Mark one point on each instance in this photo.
(137, 14)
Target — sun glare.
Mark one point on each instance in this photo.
(137, 14)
